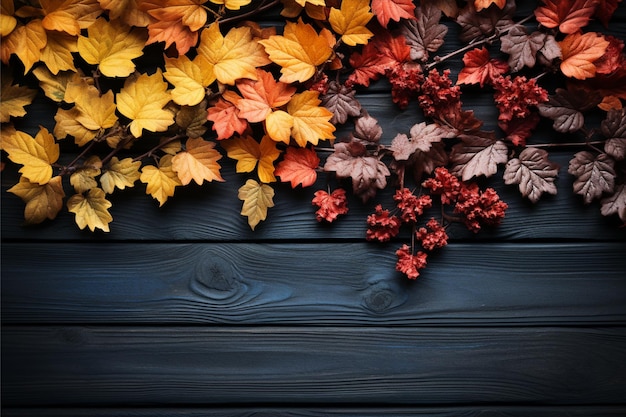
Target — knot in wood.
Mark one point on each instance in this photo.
(379, 298)
(215, 278)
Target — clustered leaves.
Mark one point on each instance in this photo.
(159, 92)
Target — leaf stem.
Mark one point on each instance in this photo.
(556, 145)
(157, 147)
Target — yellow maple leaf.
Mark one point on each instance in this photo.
(57, 54)
(127, 10)
(248, 153)
(69, 16)
(232, 4)
(42, 201)
(35, 154)
(257, 198)
(198, 162)
(14, 98)
(160, 182)
(91, 210)
(7, 21)
(26, 41)
(112, 45)
(53, 85)
(189, 80)
(142, 99)
(120, 174)
(67, 124)
(278, 126)
(310, 121)
(84, 178)
(234, 56)
(349, 21)
(190, 13)
(299, 51)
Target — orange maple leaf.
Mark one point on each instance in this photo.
(579, 53)
(386, 10)
(568, 16)
(484, 4)
(260, 97)
(225, 117)
(172, 33)
(298, 166)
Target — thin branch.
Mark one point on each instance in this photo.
(157, 147)
(265, 5)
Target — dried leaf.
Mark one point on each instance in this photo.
(615, 203)
(477, 155)
(522, 47)
(27, 41)
(580, 51)
(14, 98)
(257, 198)
(386, 10)
(563, 108)
(479, 68)
(569, 16)
(84, 179)
(57, 54)
(189, 79)
(248, 153)
(298, 166)
(484, 23)
(340, 100)
(350, 21)
(260, 97)
(35, 154)
(422, 137)
(424, 34)
(484, 4)
(160, 182)
(614, 129)
(533, 173)
(311, 122)
(120, 174)
(198, 162)
(226, 120)
(595, 175)
(91, 210)
(42, 201)
(367, 130)
(193, 119)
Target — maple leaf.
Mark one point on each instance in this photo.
(120, 174)
(605, 10)
(190, 13)
(386, 10)
(26, 41)
(226, 120)
(193, 119)
(172, 33)
(477, 155)
(112, 46)
(257, 198)
(350, 21)
(484, 4)
(311, 122)
(518, 129)
(579, 53)
(91, 210)
(422, 137)
(614, 129)
(330, 206)
(299, 51)
(42, 201)
(298, 166)
(84, 178)
(366, 130)
(189, 80)
(35, 154)
(55, 85)
(522, 47)
(69, 16)
(615, 203)
(160, 181)
(127, 10)
(248, 153)
(233, 56)
(232, 4)
(479, 68)
(142, 99)
(424, 34)
(368, 173)
(595, 175)
(569, 16)
(566, 108)
(198, 162)
(260, 97)
(14, 98)
(57, 54)
(475, 25)
(533, 173)
(340, 100)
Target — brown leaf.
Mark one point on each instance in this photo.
(565, 108)
(477, 155)
(479, 68)
(533, 173)
(594, 175)
(484, 23)
(614, 129)
(340, 100)
(422, 137)
(367, 130)
(615, 203)
(424, 34)
(522, 47)
(425, 162)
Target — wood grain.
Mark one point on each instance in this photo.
(342, 365)
(343, 284)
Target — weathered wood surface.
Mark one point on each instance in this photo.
(372, 365)
(312, 284)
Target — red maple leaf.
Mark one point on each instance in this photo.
(386, 10)
(479, 68)
(568, 16)
(298, 166)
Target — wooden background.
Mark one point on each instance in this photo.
(183, 311)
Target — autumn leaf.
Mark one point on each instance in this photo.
(477, 155)
(27, 41)
(422, 137)
(340, 100)
(91, 210)
(54, 85)
(367, 130)
(386, 10)
(69, 16)
(350, 21)
(615, 203)
(533, 173)
(42, 201)
(595, 175)
(425, 34)
(142, 100)
(614, 129)
(232, 4)
(569, 16)
(298, 166)
(112, 45)
(565, 108)
(84, 178)
(279, 126)
(57, 54)
(261, 96)
(127, 10)
(226, 120)
(35, 154)
(248, 153)
(579, 53)
(198, 162)
(257, 198)
(478, 25)
(479, 68)
(484, 4)
(299, 51)
(522, 47)
(14, 98)
(311, 122)
(120, 174)
(160, 181)
(234, 56)
(189, 79)
(172, 33)
(190, 13)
